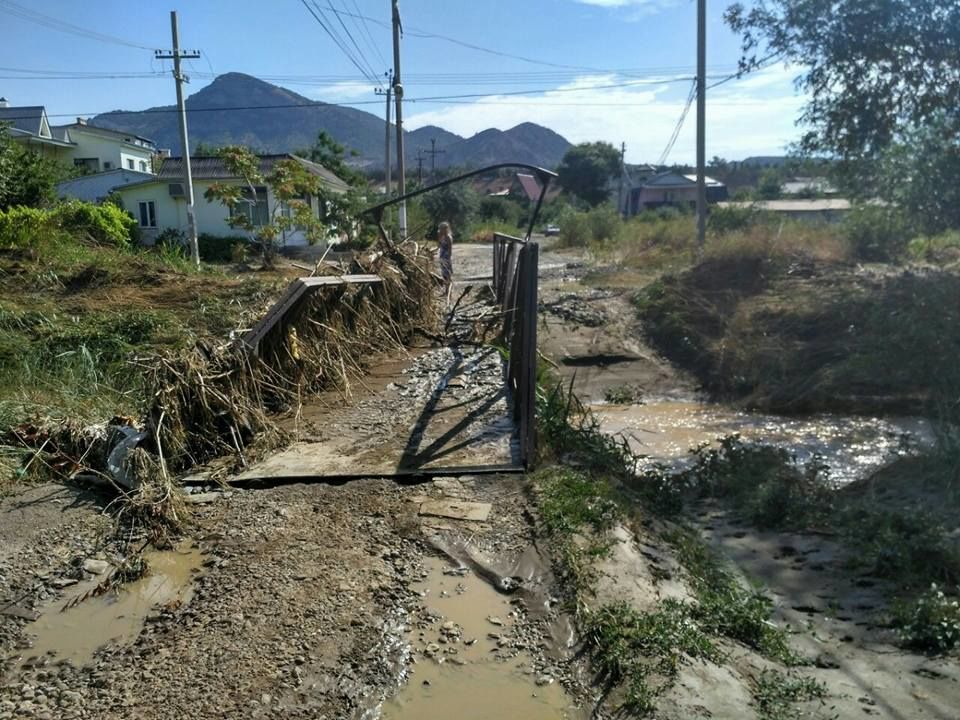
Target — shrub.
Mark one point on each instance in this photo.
(579, 229)
(944, 247)
(723, 220)
(876, 233)
(931, 623)
(574, 230)
(23, 227)
(604, 223)
(106, 224)
(222, 248)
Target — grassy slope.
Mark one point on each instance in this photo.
(74, 317)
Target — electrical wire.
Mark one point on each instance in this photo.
(63, 26)
(679, 126)
(372, 73)
(366, 29)
(318, 15)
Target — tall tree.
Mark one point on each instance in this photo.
(872, 68)
(26, 178)
(586, 170)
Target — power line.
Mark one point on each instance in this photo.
(63, 26)
(338, 41)
(676, 130)
(366, 30)
(363, 57)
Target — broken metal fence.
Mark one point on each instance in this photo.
(515, 272)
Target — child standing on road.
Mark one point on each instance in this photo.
(445, 238)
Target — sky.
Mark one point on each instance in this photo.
(614, 70)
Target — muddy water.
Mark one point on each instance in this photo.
(461, 671)
(117, 616)
(853, 447)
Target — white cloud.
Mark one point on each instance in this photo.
(753, 116)
(342, 91)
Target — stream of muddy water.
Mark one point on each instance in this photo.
(853, 447)
(74, 627)
(465, 668)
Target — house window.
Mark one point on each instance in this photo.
(148, 214)
(143, 166)
(255, 210)
(87, 165)
(107, 165)
(130, 163)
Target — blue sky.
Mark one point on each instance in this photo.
(583, 47)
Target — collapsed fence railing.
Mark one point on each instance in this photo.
(515, 273)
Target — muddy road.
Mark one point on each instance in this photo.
(374, 598)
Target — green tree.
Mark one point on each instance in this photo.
(586, 169)
(290, 183)
(455, 204)
(872, 68)
(26, 178)
(769, 186)
(332, 155)
(921, 175)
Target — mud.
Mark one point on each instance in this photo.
(465, 668)
(78, 624)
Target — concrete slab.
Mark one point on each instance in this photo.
(457, 509)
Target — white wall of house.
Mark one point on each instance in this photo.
(113, 150)
(171, 212)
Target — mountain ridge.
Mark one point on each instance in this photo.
(240, 109)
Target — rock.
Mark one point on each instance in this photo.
(265, 699)
(544, 680)
(96, 567)
(494, 620)
(448, 626)
(63, 582)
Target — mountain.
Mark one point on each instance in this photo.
(241, 109)
(526, 143)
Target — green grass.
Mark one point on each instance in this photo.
(644, 651)
(776, 694)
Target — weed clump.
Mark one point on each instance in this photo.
(930, 623)
(776, 693)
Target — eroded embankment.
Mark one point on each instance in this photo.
(803, 336)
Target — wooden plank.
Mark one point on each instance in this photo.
(297, 289)
(528, 392)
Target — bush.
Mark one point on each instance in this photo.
(876, 233)
(941, 248)
(579, 229)
(723, 220)
(106, 224)
(222, 248)
(23, 227)
(931, 623)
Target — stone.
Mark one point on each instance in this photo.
(96, 567)
(544, 680)
(494, 620)
(63, 582)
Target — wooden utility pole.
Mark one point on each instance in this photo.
(701, 124)
(176, 55)
(623, 177)
(433, 152)
(398, 95)
(386, 153)
(420, 166)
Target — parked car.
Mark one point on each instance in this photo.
(551, 230)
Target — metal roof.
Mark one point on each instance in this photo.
(205, 167)
(28, 118)
(530, 185)
(98, 185)
(82, 126)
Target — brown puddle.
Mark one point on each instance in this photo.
(463, 680)
(117, 616)
(852, 446)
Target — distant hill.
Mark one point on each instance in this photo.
(241, 109)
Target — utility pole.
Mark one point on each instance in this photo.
(176, 55)
(623, 176)
(398, 95)
(433, 152)
(420, 166)
(701, 124)
(386, 154)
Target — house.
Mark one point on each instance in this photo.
(28, 125)
(96, 149)
(671, 189)
(91, 148)
(158, 203)
(95, 188)
(808, 187)
(621, 186)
